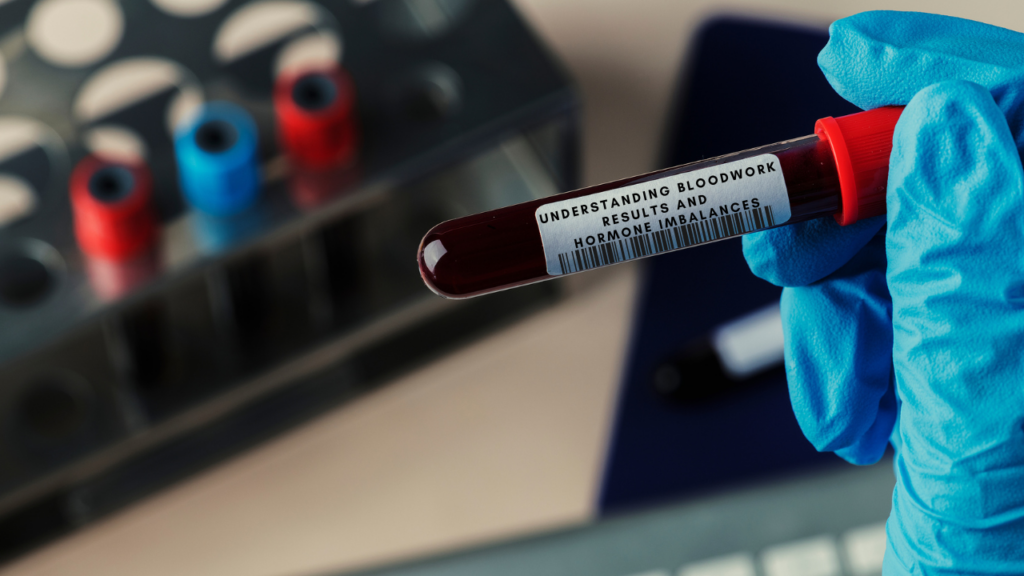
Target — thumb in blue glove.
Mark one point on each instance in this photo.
(927, 320)
(955, 247)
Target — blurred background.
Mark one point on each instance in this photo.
(216, 353)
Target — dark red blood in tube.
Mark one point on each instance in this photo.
(841, 172)
(502, 248)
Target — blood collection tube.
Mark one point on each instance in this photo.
(110, 199)
(316, 122)
(218, 167)
(839, 171)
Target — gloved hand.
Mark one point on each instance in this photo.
(911, 325)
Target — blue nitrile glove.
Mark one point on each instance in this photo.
(924, 318)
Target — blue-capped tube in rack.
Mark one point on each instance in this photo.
(216, 154)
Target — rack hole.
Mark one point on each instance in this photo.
(17, 199)
(24, 281)
(434, 93)
(429, 102)
(74, 33)
(423, 19)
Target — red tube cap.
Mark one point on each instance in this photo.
(110, 199)
(316, 122)
(861, 145)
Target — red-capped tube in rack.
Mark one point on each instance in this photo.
(111, 202)
(316, 122)
(839, 171)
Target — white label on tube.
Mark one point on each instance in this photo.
(664, 214)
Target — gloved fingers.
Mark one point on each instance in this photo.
(955, 250)
(884, 58)
(838, 343)
(803, 253)
(869, 447)
(875, 59)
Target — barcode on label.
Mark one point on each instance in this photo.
(666, 240)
